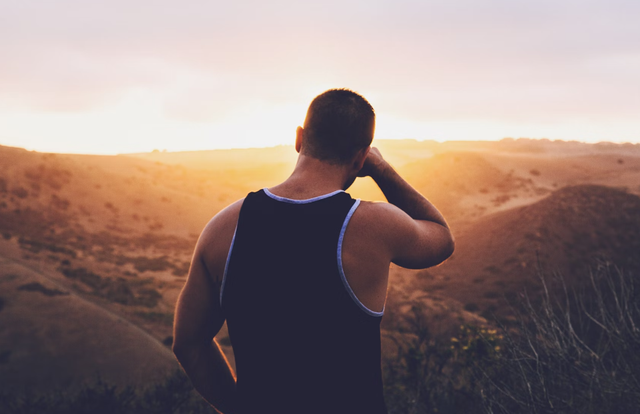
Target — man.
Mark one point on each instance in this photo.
(299, 272)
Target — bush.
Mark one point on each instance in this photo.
(133, 293)
(36, 246)
(577, 353)
(20, 192)
(38, 287)
(435, 375)
(573, 351)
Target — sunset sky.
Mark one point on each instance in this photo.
(130, 76)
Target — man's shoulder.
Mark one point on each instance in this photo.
(377, 211)
(377, 220)
(223, 222)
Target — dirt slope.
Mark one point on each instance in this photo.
(51, 338)
(569, 232)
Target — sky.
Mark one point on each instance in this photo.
(107, 77)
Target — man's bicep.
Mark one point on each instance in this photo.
(418, 244)
(198, 315)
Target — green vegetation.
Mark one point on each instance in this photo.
(38, 287)
(573, 352)
(20, 192)
(435, 375)
(116, 290)
(576, 353)
(36, 246)
(60, 203)
(55, 177)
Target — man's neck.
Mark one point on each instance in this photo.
(313, 177)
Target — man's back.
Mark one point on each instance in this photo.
(305, 282)
(303, 342)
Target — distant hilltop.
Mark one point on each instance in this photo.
(398, 152)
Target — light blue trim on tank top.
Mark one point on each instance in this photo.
(293, 201)
(226, 264)
(341, 269)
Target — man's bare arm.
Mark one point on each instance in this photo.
(199, 316)
(196, 324)
(421, 237)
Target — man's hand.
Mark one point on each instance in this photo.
(372, 164)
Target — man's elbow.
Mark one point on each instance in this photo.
(447, 247)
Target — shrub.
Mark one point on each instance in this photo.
(133, 293)
(20, 192)
(38, 287)
(35, 246)
(577, 353)
(85, 276)
(60, 203)
(573, 351)
(435, 375)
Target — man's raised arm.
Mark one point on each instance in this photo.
(419, 234)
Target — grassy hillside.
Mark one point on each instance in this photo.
(571, 231)
(106, 240)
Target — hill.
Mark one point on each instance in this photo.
(116, 233)
(109, 238)
(569, 232)
(52, 338)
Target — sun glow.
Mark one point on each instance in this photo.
(139, 123)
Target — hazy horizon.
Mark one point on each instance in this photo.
(291, 145)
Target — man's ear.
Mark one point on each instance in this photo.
(299, 138)
(360, 158)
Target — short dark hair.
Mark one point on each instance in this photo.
(339, 123)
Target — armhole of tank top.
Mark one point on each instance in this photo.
(341, 269)
(226, 264)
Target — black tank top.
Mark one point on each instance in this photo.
(303, 342)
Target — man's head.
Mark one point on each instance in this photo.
(339, 124)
